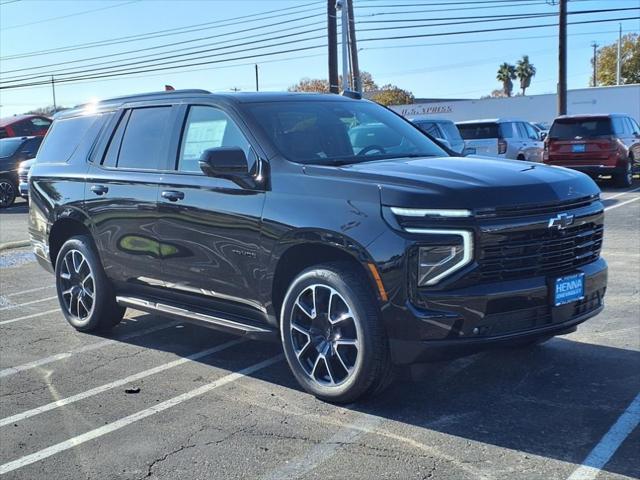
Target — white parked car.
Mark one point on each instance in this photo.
(510, 138)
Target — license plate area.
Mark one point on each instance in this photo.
(578, 148)
(567, 289)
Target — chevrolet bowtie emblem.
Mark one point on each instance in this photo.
(560, 221)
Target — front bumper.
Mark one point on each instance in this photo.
(458, 322)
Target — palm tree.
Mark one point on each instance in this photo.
(506, 73)
(525, 72)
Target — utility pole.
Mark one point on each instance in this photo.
(344, 20)
(332, 41)
(562, 59)
(355, 66)
(53, 89)
(619, 62)
(595, 63)
(257, 87)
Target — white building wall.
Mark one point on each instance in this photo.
(534, 108)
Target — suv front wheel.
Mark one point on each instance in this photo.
(332, 335)
(85, 294)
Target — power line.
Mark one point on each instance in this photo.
(181, 57)
(514, 16)
(181, 49)
(67, 16)
(160, 33)
(173, 44)
(253, 56)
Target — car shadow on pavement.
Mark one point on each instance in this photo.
(556, 400)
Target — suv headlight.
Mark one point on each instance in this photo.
(441, 259)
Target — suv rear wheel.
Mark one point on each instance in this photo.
(85, 294)
(625, 178)
(8, 192)
(332, 335)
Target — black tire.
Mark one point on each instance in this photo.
(372, 370)
(8, 192)
(625, 179)
(79, 261)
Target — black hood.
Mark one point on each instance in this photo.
(467, 182)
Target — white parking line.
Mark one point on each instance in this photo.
(621, 204)
(117, 383)
(27, 317)
(128, 420)
(319, 453)
(92, 346)
(620, 194)
(46, 299)
(608, 445)
(31, 290)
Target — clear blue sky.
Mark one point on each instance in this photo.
(460, 66)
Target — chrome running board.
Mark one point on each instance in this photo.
(216, 321)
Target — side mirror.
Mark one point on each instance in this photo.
(224, 162)
(543, 135)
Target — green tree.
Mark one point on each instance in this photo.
(506, 73)
(630, 57)
(321, 85)
(392, 95)
(525, 71)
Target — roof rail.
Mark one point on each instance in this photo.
(149, 94)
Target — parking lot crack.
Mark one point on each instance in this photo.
(163, 458)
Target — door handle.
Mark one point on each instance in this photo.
(99, 189)
(172, 195)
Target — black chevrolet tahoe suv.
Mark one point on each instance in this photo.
(329, 223)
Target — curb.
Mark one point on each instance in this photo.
(12, 245)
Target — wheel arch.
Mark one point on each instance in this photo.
(62, 229)
(305, 249)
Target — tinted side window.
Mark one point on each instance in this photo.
(619, 126)
(474, 131)
(22, 128)
(144, 139)
(634, 125)
(430, 128)
(111, 155)
(532, 133)
(508, 130)
(208, 127)
(63, 138)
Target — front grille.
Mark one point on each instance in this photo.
(528, 253)
(24, 177)
(536, 209)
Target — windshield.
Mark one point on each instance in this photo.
(339, 132)
(583, 128)
(8, 146)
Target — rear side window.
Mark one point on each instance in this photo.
(63, 138)
(9, 146)
(144, 139)
(430, 128)
(450, 130)
(476, 131)
(583, 128)
(619, 126)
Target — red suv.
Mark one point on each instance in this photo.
(24, 126)
(596, 145)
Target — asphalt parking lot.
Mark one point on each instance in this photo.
(161, 399)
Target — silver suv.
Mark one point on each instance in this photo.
(502, 137)
(443, 130)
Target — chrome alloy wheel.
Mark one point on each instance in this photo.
(325, 335)
(7, 193)
(77, 285)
